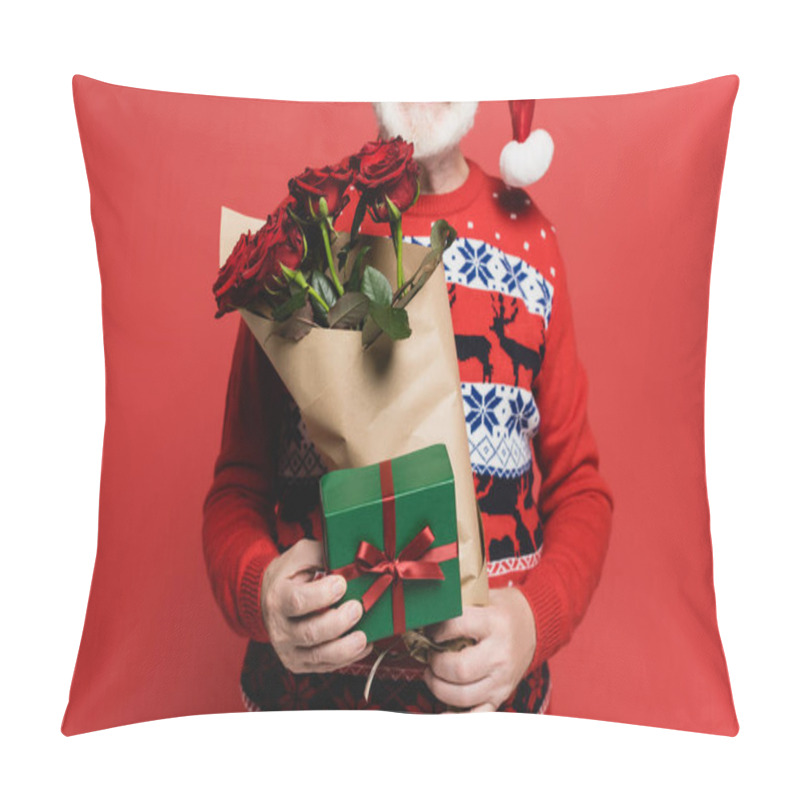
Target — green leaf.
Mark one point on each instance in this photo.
(443, 234)
(285, 310)
(370, 332)
(320, 315)
(323, 285)
(394, 211)
(349, 311)
(417, 192)
(376, 287)
(392, 321)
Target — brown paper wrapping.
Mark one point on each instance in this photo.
(363, 406)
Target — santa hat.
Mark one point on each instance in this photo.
(525, 159)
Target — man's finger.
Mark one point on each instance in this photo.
(300, 598)
(459, 695)
(464, 666)
(471, 624)
(338, 653)
(325, 626)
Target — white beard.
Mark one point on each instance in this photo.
(433, 128)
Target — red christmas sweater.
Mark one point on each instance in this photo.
(546, 510)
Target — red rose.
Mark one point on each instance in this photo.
(328, 182)
(229, 290)
(280, 242)
(256, 260)
(387, 170)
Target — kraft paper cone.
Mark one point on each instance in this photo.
(364, 406)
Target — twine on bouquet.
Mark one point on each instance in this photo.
(420, 647)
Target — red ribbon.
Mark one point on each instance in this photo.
(416, 561)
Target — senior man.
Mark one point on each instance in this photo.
(546, 510)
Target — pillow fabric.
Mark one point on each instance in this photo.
(633, 193)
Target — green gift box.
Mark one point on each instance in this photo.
(390, 530)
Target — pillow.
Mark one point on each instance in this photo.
(632, 195)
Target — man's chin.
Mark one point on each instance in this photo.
(432, 136)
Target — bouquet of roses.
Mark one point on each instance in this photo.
(318, 300)
(287, 272)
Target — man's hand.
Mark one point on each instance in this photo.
(307, 634)
(482, 676)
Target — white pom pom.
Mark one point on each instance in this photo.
(523, 163)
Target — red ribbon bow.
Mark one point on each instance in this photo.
(416, 561)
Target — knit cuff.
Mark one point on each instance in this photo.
(547, 607)
(250, 596)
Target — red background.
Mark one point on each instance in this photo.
(633, 192)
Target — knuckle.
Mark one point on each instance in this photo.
(286, 655)
(294, 602)
(308, 634)
(307, 547)
(291, 664)
(300, 545)
(302, 638)
(278, 637)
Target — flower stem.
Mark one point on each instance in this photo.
(397, 236)
(315, 294)
(323, 226)
(298, 278)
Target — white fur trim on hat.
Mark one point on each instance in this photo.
(523, 163)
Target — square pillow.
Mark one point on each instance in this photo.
(632, 192)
